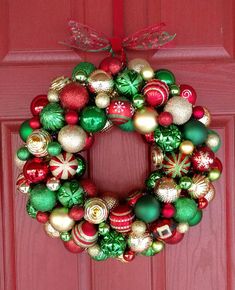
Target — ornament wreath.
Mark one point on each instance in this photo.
(133, 97)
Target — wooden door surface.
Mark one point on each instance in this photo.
(30, 57)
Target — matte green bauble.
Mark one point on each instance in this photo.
(42, 198)
(92, 119)
(31, 211)
(54, 148)
(82, 71)
(138, 101)
(23, 153)
(25, 130)
(196, 219)
(195, 131)
(213, 140)
(165, 76)
(129, 82)
(153, 177)
(81, 165)
(70, 193)
(168, 138)
(147, 208)
(52, 117)
(128, 126)
(185, 209)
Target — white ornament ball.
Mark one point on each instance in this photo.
(102, 100)
(182, 228)
(138, 228)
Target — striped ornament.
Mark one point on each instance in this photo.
(85, 234)
(64, 165)
(176, 164)
(121, 218)
(156, 93)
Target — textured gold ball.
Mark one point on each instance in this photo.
(37, 142)
(100, 82)
(58, 83)
(145, 120)
(94, 251)
(102, 100)
(111, 201)
(157, 157)
(138, 228)
(50, 231)
(166, 190)
(182, 228)
(147, 73)
(210, 195)
(206, 119)
(186, 147)
(72, 138)
(138, 64)
(139, 243)
(199, 187)
(53, 96)
(158, 246)
(60, 220)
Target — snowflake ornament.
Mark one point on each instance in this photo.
(202, 159)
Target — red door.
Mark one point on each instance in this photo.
(30, 57)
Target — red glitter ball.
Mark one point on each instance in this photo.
(71, 117)
(76, 213)
(165, 119)
(198, 112)
(89, 187)
(34, 122)
(111, 65)
(42, 217)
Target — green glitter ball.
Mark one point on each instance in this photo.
(129, 82)
(147, 208)
(52, 117)
(23, 153)
(168, 138)
(54, 148)
(196, 219)
(82, 71)
(70, 193)
(128, 126)
(31, 211)
(42, 198)
(165, 75)
(195, 131)
(25, 130)
(185, 209)
(153, 177)
(92, 119)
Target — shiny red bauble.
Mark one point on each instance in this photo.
(202, 159)
(188, 93)
(74, 96)
(111, 65)
(163, 228)
(175, 239)
(156, 93)
(72, 247)
(35, 170)
(165, 119)
(217, 164)
(202, 202)
(119, 111)
(38, 103)
(71, 117)
(42, 217)
(121, 218)
(89, 187)
(149, 137)
(129, 255)
(168, 210)
(198, 112)
(76, 213)
(34, 122)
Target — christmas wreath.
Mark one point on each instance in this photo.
(134, 97)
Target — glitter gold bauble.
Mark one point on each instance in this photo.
(94, 251)
(199, 187)
(157, 157)
(37, 142)
(186, 147)
(210, 195)
(50, 231)
(138, 64)
(145, 120)
(206, 119)
(182, 227)
(53, 96)
(100, 82)
(102, 100)
(138, 228)
(147, 73)
(110, 200)
(58, 83)
(60, 219)
(167, 190)
(138, 243)
(72, 138)
(96, 210)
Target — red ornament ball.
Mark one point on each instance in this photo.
(202, 159)
(42, 217)
(119, 111)
(85, 234)
(133, 197)
(168, 210)
(89, 187)
(202, 202)
(72, 247)
(165, 119)
(217, 164)
(88, 141)
(76, 213)
(35, 170)
(188, 93)
(198, 112)
(121, 218)
(111, 65)
(129, 255)
(74, 96)
(163, 229)
(156, 93)
(34, 123)
(149, 137)
(38, 103)
(71, 117)
(175, 239)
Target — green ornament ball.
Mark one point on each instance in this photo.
(165, 75)
(100, 257)
(195, 131)
(185, 182)
(196, 219)
(147, 208)
(92, 119)
(185, 209)
(52, 117)
(31, 211)
(174, 90)
(65, 236)
(23, 154)
(213, 140)
(168, 138)
(128, 126)
(153, 177)
(81, 166)
(70, 193)
(82, 71)
(129, 82)
(54, 148)
(42, 198)
(138, 101)
(113, 244)
(103, 229)
(25, 130)
(149, 252)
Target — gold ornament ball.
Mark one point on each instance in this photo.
(138, 228)
(166, 190)
(100, 82)
(186, 147)
(110, 201)
(182, 228)
(214, 174)
(158, 246)
(147, 73)
(37, 142)
(94, 251)
(60, 220)
(210, 195)
(102, 100)
(72, 138)
(139, 244)
(96, 210)
(206, 119)
(145, 120)
(50, 231)
(58, 83)
(199, 187)
(157, 157)
(53, 96)
(138, 64)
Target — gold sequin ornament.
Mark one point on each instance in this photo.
(100, 82)
(138, 228)
(96, 210)
(206, 119)
(110, 201)
(199, 187)
(138, 243)
(37, 142)
(167, 190)
(157, 157)
(50, 231)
